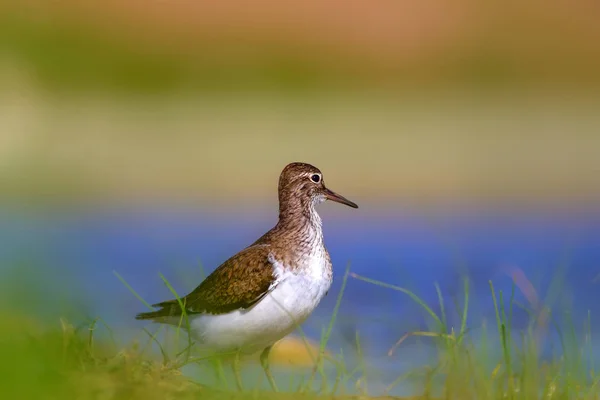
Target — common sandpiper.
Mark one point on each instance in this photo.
(267, 290)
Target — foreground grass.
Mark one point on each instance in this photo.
(62, 363)
(69, 361)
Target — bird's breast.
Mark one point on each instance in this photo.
(299, 294)
(315, 264)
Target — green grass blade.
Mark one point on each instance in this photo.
(325, 337)
(442, 306)
(124, 282)
(405, 291)
(184, 316)
(463, 323)
(160, 347)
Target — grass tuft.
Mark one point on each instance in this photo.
(69, 360)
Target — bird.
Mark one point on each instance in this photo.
(268, 289)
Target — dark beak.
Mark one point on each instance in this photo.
(330, 195)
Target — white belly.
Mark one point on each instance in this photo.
(276, 315)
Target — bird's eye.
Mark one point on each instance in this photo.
(315, 178)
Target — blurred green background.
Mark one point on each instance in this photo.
(418, 101)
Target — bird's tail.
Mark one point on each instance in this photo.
(165, 309)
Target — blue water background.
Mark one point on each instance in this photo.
(76, 251)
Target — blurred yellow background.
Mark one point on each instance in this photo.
(423, 101)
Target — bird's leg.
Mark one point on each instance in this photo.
(264, 362)
(236, 371)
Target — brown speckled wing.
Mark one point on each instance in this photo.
(238, 283)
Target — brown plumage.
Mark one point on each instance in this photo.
(247, 277)
(236, 284)
(264, 292)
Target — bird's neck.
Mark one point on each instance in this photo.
(300, 219)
